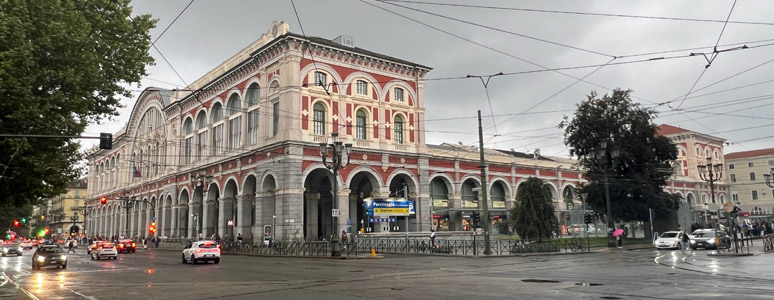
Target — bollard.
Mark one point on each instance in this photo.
(373, 252)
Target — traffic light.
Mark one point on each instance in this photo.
(105, 141)
(46, 230)
(16, 223)
(588, 218)
(476, 220)
(152, 228)
(103, 200)
(24, 220)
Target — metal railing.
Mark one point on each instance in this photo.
(470, 247)
(768, 243)
(278, 248)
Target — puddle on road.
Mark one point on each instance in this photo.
(539, 281)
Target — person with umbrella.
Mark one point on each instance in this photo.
(618, 234)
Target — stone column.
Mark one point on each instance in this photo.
(455, 216)
(343, 205)
(193, 222)
(244, 209)
(224, 214)
(173, 222)
(208, 217)
(164, 222)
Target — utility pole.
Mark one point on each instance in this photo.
(483, 202)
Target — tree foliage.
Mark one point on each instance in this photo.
(63, 65)
(533, 213)
(638, 174)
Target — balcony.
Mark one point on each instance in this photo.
(363, 144)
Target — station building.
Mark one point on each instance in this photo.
(240, 149)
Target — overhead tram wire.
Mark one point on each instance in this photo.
(558, 92)
(582, 13)
(715, 53)
(173, 22)
(497, 29)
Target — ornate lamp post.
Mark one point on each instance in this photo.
(711, 173)
(336, 163)
(604, 158)
(200, 182)
(769, 179)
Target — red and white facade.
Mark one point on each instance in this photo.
(242, 150)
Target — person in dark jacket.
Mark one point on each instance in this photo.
(686, 241)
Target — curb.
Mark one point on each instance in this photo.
(287, 256)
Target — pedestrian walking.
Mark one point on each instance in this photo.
(432, 238)
(344, 238)
(70, 247)
(239, 239)
(619, 239)
(686, 241)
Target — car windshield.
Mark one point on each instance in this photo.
(51, 250)
(703, 233)
(669, 234)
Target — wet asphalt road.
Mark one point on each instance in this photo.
(614, 274)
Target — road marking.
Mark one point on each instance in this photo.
(25, 291)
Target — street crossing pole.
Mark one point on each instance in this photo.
(484, 203)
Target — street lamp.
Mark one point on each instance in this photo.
(604, 158)
(335, 165)
(710, 172)
(200, 182)
(769, 179)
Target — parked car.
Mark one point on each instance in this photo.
(670, 240)
(705, 238)
(47, 255)
(106, 249)
(201, 251)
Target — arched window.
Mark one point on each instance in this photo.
(498, 195)
(217, 112)
(235, 123)
(439, 192)
(469, 197)
(362, 87)
(188, 149)
(360, 125)
(253, 94)
(398, 128)
(319, 119)
(201, 120)
(188, 126)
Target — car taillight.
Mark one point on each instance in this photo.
(134, 245)
(122, 246)
(198, 250)
(100, 247)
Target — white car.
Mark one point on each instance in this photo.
(107, 250)
(26, 245)
(201, 251)
(670, 240)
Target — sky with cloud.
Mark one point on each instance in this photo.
(553, 55)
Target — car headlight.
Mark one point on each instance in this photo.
(64, 257)
(41, 259)
(712, 241)
(693, 242)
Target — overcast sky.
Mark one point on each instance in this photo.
(211, 31)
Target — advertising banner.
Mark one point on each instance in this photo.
(389, 207)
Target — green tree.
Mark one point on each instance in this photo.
(9, 213)
(533, 213)
(638, 173)
(63, 64)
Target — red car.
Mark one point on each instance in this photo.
(126, 246)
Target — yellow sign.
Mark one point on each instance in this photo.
(390, 211)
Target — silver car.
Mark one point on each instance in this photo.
(670, 240)
(705, 238)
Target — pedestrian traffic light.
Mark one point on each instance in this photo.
(588, 218)
(16, 223)
(476, 220)
(103, 200)
(152, 228)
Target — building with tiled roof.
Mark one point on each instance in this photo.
(748, 186)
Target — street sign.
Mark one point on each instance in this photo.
(230, 223)
(336, 212)
(728, 207)
(389, 207)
